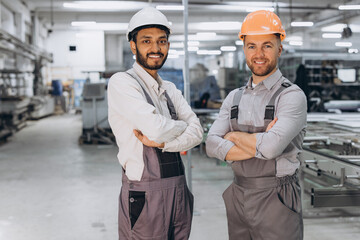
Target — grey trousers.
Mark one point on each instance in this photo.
(166, 213)
(264, 213)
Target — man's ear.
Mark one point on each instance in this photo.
(133, 47)
(280, 49)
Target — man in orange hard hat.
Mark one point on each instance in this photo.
(152, 123)
(260, 129)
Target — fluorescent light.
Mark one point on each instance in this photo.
(170, 7)
(215, 72)
(100, 26)
(193, 49)
(353, 50)
(217, 26)
(193, 43)
(176, 44)
(173, 56)
(293, 38)
(302, 24)
(228, 48)
(343, 44)
(331, 35)
(105, 5)
(134, 57)
(239, 43)
(296, 43)
(349, 7)
(180, 52)
(252, 9)
(208, 52)
(206, 34)
(83, 23)
(172, 51)
(214, 52)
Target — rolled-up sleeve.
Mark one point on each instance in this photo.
(216, 145)
(193, 133)
(291, 113)
(125, 98)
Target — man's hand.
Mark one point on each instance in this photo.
(146, 141)
(271, 124)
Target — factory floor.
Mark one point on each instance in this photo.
(53, 189)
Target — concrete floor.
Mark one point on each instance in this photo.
(53, 189)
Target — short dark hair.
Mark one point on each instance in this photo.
(133, 34)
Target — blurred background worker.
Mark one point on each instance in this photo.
(152, 122)
(204, 90)
(261, 127)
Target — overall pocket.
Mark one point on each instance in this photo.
(136, 205)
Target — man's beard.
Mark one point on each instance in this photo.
(142, 61)
(264, 72)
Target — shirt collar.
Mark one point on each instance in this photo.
(147, 78)
(268, 82)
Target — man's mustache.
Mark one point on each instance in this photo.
(158, 53)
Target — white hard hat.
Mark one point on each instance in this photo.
(147, 16)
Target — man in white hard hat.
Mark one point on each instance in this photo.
(260, 128)
(152, 122)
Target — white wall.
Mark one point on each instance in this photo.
(89, 54)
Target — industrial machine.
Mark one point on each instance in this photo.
(96, 128)
(331, 160)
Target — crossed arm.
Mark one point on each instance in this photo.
(245, 144)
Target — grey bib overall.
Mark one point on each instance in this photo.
(260, 205)
(160, 205)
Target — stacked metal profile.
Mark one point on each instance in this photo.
(331, 159)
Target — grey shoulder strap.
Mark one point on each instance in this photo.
(270, 107)
(136, 77)
(234, 114)
(170, 104)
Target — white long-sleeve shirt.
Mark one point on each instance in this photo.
(129, 110)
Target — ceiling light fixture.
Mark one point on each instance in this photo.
(83, 23)
(217, 26)
(228, 48)
(206, 34)
(349, 7)
(296, 43)
(353, 50)
(193, 49)
(343, 44)
(193, 43)
(302, 24)
(252, 9)
(331, 35)
(170, 7)
(239, 43)
(105, 5)
(208, 52)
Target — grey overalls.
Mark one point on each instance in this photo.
(260, 205)
(160, 205)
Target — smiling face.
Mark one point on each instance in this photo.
(262, 53)
(151, 49)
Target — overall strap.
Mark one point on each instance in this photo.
(234, 115)
(169, 103)
(135, 76)
(270, 107)
(171, 107)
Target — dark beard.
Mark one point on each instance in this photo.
(142, 61)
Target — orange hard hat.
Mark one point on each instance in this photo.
(262, 22)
